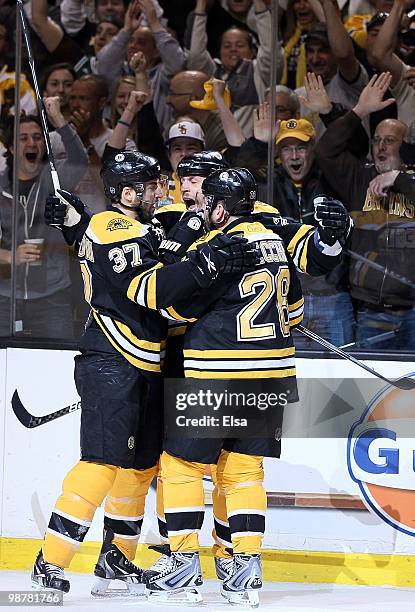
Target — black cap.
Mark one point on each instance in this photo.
(319, 32)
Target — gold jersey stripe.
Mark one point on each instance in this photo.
(303, 258)
(247, 374)
(151, 297)
(223, 354)
(138, 363)
(134, 286)
(144, 344)
(292, 307)
(175, 315)
(86, 277)
(296, 320)
(298, 236)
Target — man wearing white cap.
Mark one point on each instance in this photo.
(185, 138)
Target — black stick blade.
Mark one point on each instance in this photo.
(405, 383)
(26, 419)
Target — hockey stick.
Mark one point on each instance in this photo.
(41, 107)
(405, 383)
(30, 421)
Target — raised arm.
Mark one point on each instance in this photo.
(171, 53)
(111, 58)
(339, 166)
(262, 63)
(383, 54)
(73, 15)
(48, 30)
(340, 42)
(73, 167)
(231, 128)
(199, 57)
(118, 138)
(138, 66)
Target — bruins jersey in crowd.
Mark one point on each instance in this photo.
(243, 329)
(125, 284)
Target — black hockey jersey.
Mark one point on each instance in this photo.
(125, 285)
(242, 326)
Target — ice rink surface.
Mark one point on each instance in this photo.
(287, 597)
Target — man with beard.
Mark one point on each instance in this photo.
(380, 199)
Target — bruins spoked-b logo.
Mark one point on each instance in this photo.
(291, 124)
(118, 224)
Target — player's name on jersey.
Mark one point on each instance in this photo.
(225, 420)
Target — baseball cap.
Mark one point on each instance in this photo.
(296, 128)
(319, 32)
(186, 129)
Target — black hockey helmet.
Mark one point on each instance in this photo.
(128, 168)
(236, 188)
(201, 164)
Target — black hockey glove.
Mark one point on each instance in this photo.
(187, 230)
(222, 255)
(334, 222)
(68, 213)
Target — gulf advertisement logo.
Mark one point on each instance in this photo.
(381, 457)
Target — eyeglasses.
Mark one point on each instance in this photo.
(388, 140)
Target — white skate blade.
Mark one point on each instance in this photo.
(246, 599)
(185, 595)
(101, 589)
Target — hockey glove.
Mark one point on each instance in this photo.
(334, 222)
(187, 230)
(68, 213)
(221, 255)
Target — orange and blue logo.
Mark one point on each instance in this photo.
(381, 457)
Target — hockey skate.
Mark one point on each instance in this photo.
(113, 565)
(160, 563)
(177, 581)
(48, 577)
(223, 567)
(241, 588)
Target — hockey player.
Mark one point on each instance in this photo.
(118, 372)
(244, 332)
(192, 171)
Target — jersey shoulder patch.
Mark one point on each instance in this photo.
(252, 230)
(107, 227)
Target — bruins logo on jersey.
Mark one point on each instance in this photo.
(119, 224)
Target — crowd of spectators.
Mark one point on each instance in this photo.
(181, 77)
